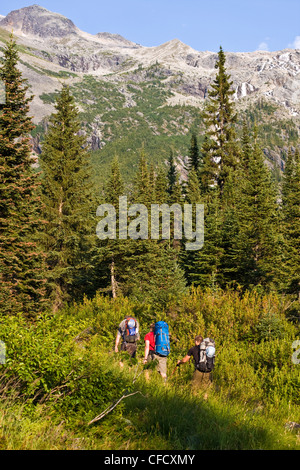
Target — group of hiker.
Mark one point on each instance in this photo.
(157, 347)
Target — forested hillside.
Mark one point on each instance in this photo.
(64, 290)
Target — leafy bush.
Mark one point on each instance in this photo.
(66, 363)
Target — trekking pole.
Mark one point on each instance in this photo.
(174, 370)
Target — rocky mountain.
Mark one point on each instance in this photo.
(108, 73)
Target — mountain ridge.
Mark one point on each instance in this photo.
(54, 51)
(273, 75)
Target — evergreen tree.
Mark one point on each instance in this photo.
(204, 268)
(209, 168)
(21, 260)
(172, 174)
(193, 196)
(142, 192)
(291, 223)
(161, 186)
(192, 190)
(174, 187)
(219, 118)
(112, 254)
(231, 201)
(114, 187)
(150, 270)
(68, 204)
(194, 161)
(255, 245)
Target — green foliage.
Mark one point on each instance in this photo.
(291, 223)
(219, 120)
(63, 366)
(67, 198)
(21, 259)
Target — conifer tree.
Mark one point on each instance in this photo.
(21, 260)
(172, 174)
(192, 190)
(231, 201)
(68, 204)
(193, 195)
(142, 187)
(150, 270)
(204, 267)
(256, 244)
(161, 185)
(174, 187)
(194, 161)
(114, 187)
(219, 118)
(291, 223)
(111, 253)
(209, 168)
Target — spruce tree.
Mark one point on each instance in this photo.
(194, 158)
(143, 190)
(193, 195)
(204, 265)
(291, 223)
(172, 174)
(112, 253)
(209, 168)
(68, 205)
(256, 245)
(219, 118)
(161, 185)
(21, 260)
(151, 271)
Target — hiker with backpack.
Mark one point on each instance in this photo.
(149, 345)
(157, 346)
(149, 348)
(203, 353)
(128, 331)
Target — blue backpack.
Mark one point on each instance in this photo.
(162, 339)
(130, 334)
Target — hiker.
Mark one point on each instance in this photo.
(162, 347)
(149, 348)
(149, 345)
(202, 374)
(194, 351)
(157, 347)
(128, 331)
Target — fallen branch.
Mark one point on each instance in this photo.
(111, 407)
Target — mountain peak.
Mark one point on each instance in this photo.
(37, 21)
(175, 46)
(115, 39)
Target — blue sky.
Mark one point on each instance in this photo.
(236, 25)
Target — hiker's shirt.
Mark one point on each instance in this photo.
(195, 352)
(151, 338)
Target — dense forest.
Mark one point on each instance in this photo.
(64, 290)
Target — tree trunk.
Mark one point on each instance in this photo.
(113, 279)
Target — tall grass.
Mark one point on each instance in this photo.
(61, 372)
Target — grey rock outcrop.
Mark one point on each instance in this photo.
(37, 21)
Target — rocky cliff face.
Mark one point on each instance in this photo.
(53, 48)
(273, 75)
(37, 21)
